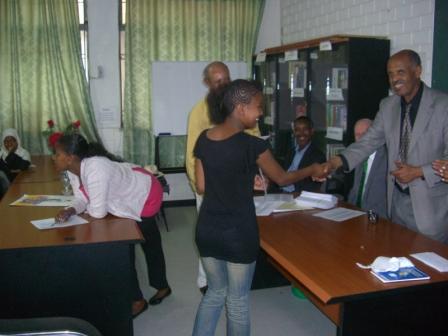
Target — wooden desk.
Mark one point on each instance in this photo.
(80, 271)
(42, 170)
(319, 257)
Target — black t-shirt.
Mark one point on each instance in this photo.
(227, 225)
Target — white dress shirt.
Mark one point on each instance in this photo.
(112, 187)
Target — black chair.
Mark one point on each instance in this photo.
(170, 159)
(46, 326)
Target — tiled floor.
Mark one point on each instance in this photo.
(274, 311)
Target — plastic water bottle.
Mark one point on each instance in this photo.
(67, 187)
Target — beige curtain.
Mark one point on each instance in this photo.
(178, 30)
(42, 76)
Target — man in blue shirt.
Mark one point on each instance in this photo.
(303, 154)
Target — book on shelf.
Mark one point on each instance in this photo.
(334, 149)
(403, 274)
(337, 115)
(339, 78)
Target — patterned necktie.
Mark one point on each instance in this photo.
(361, 185)
(405, 138)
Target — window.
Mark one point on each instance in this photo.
(122, 25)
(82, 12)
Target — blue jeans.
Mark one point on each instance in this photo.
(229, 284)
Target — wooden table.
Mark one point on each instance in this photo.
(319, 257)
(79, 271)
(41, 170)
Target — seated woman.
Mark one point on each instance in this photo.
(4, 183)
(103, 184)
(13, 157)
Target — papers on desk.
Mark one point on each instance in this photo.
(43, 200)
(433, 260)
(339, 214)
(316, 200)
(291, 206)
(265, 205)
(50, 223)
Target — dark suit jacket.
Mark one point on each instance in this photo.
(312, 155)
(375, 188)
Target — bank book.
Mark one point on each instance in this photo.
(403, 274)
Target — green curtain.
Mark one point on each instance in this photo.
(178, 30)
(42, 75)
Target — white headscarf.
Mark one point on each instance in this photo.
(20, 151)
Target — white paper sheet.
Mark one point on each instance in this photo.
(339, 214)
(433, 260)
(50, 223)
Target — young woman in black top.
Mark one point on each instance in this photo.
(227, 161)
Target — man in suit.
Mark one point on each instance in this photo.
(413, 123)
(369, 184)
(303, 154)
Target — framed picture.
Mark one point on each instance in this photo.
(340, 78)
(297, 74)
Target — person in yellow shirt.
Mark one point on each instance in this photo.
(215, 75)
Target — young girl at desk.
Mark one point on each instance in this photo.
(227, 232)
(13, 157)
(103, 184)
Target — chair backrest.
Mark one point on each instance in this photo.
(170, 153)
(47, 326)
(47, 333)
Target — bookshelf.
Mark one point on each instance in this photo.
(334, 80)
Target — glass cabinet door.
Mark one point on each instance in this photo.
(266, 75)
(328, 85)
(292, 99)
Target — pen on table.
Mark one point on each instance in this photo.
(264, 183)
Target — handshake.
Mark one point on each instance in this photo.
(320, 172)
(317, 171)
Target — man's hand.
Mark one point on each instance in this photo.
(320, 172)
(406, 173)
(441, 169)
(327, 168)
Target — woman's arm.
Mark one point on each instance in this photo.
(275, 172)
(96, 178)
(200, 179)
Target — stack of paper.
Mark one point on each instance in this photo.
(265, 205)
(316, 200)
(291, 206)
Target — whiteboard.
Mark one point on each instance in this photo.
(176, 88)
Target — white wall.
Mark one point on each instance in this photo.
(269, 34)
(105, 84)
(409, 24)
